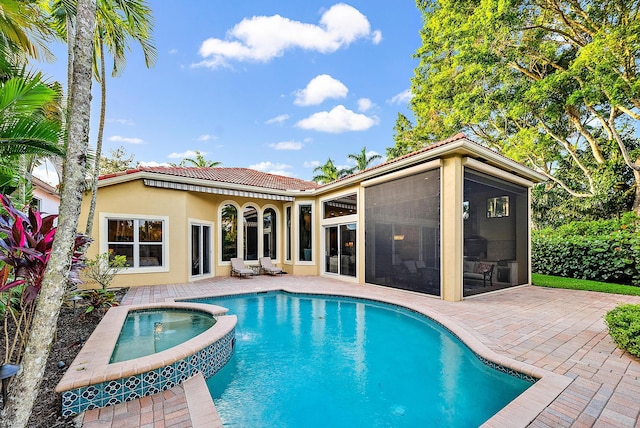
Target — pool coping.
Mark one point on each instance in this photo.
(520, 412)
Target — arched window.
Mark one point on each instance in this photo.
(250, 224)
(269, 233)
(229, 225)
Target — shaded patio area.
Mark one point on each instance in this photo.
(561, 331)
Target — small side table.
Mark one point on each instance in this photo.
(7, 371)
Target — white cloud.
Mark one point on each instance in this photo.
(320, 88)
(206, 137)
(262, 38)
(186, 154)
(286, 145)
(364, 104)
(376, 37)
(173, 51)
(273, 168)
(402, 98)
(129, 140)
(278, 119)
(312, 164)
(339, 119)
(128, 122)
(152, 164)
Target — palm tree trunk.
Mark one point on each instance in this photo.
(24, 388)
(636, 199)
(96, 167)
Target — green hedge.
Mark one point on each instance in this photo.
(624, 327)
(605, 250)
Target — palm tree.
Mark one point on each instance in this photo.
(329, 172)
(24, 389)
(200, 161)
(363, 161)
(29, 126)
(117, 21)
(23, 31)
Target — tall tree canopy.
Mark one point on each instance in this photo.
(551, 83)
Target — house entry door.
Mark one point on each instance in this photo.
(340, 249)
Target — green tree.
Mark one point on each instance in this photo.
(550, 83)
(24, 389)
(362, 159)
(405, 142)
(199, 161)
(328, 172)
(120, 160)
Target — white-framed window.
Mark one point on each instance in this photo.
(305, 232)
(141, 239)
(270, 233)
(229, 231)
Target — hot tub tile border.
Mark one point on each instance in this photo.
(207, 361)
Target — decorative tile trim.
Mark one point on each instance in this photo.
(207, 361)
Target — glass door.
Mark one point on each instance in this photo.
(348, 249)
(340, 249)
(200, 249)
(331, 249)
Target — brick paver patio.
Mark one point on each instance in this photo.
(561, 331)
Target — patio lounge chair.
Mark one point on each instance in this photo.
(238, 268)
(267, 267)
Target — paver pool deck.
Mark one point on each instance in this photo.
(561, 331)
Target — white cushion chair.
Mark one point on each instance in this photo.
(238, 268)
(267, 266)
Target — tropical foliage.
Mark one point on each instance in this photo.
(24, 388)
(550, 83)
(363, 159)
(603, 250)
(328, 172)
(624, 327)
(199, 161)
(26, 242)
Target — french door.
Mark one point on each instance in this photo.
(340, 249)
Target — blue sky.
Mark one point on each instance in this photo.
(278, 86)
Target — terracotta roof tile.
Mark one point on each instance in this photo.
(241, 176)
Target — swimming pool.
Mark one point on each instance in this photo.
(324, 361)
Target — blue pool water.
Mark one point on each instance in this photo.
(148, 331)
(332, 362)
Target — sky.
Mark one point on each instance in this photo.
(279, 86)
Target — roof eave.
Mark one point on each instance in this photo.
(141, 175)
(462, 146)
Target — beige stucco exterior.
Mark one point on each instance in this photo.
(128, 196)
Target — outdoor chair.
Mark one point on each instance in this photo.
(267, 266)
(238, 268)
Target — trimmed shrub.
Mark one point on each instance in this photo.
(603, 250)
(624, 327)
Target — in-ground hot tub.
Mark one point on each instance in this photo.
(92, 381)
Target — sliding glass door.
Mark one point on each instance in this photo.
(340, 249)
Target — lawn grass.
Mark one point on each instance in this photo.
(583, 284)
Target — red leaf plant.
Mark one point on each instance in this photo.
(26, 241)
